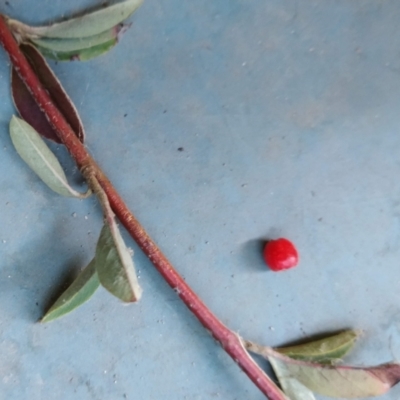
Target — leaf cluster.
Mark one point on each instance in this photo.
(76, 39)
(312, 367)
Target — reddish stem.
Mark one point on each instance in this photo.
(228, 339)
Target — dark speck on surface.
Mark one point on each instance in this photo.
(125, 115)
(165, 111)
(180, 148)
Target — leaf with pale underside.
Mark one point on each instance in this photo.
(89, 24)
(292, 387)
(29, 109)
(326, 350)
(114, 264)
(339, 382)
(80, 55)
(34, 151)
(77, 293)
(76, 45)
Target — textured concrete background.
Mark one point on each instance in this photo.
(288, 115)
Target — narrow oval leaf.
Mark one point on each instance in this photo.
(34, 151)
(88, 24)
(75, 45)
(339, 382)
(80, 55)
(27, 106)
(78, 293)
(327, 350)
(114, 264)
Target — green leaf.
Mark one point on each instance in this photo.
(327, 350)
(89, 24)
(80, 55)
(340, 382)
(292, 387)
(76, 45)
(78, 293)
(114, 264)
(34, 151)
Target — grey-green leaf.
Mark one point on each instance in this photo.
(88, 24)
(295, 390)
(35, 152)
(327, 350)
(339, 382)
(78, 293)
(292, 387)
(75, 45)
(79, 55)
(114, 264)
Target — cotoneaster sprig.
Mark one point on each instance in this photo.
(46, 111)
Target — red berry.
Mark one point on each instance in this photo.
(280, 254)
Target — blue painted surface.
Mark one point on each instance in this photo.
(287, 113)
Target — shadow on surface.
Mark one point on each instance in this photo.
(25, 274)
(251, 252)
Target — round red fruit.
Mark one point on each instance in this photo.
(280, 254)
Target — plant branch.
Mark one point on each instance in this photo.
(228, 339)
